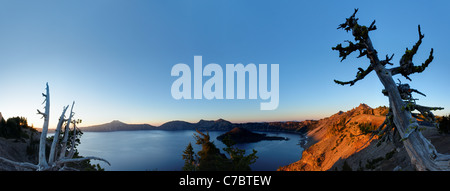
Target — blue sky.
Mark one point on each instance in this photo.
(114, 57)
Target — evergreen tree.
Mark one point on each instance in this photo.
(189, 159)
(13, 127)
(2, 127)
(210, 158)
(239, 162)
(444, 124)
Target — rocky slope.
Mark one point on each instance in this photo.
(21, 149)
(337, 137)
(340, 142)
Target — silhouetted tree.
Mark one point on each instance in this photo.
(239, 161)
(210, 158)
(444, 124)
(2, 127)
(12, 128)
(189, 159)
(422, 153)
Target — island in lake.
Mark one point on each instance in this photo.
(241, 135)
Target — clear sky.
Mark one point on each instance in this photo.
(114, 58)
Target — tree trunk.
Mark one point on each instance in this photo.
(422, 153)
(66, 134)
(52, 156)
(42, 161)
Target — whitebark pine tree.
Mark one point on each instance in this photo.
(422, 153)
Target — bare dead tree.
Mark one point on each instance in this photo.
(400, 118)
(58, 158)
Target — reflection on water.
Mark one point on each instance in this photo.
(161, 150)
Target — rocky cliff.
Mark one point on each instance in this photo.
(338, 137)
(341, 142)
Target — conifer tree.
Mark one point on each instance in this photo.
(400, 119)
(189, 158)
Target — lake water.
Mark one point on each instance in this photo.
(161, 150)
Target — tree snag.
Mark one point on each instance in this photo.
(422, 153)
(57, 159)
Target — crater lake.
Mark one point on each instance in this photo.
(160, 150)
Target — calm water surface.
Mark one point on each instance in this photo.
(162, 150)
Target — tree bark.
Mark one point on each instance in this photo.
(66, 134)
(52, 156)
(42, 161)
(21, 164)
(422, 153)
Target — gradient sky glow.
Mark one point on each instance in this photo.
(114, 57)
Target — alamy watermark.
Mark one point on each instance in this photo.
(181, 87)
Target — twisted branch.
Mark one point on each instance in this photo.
(406, 64)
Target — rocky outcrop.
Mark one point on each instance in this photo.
(342, 142)
(338, 137)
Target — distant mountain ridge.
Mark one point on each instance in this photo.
(204, 125)
(116, 125)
